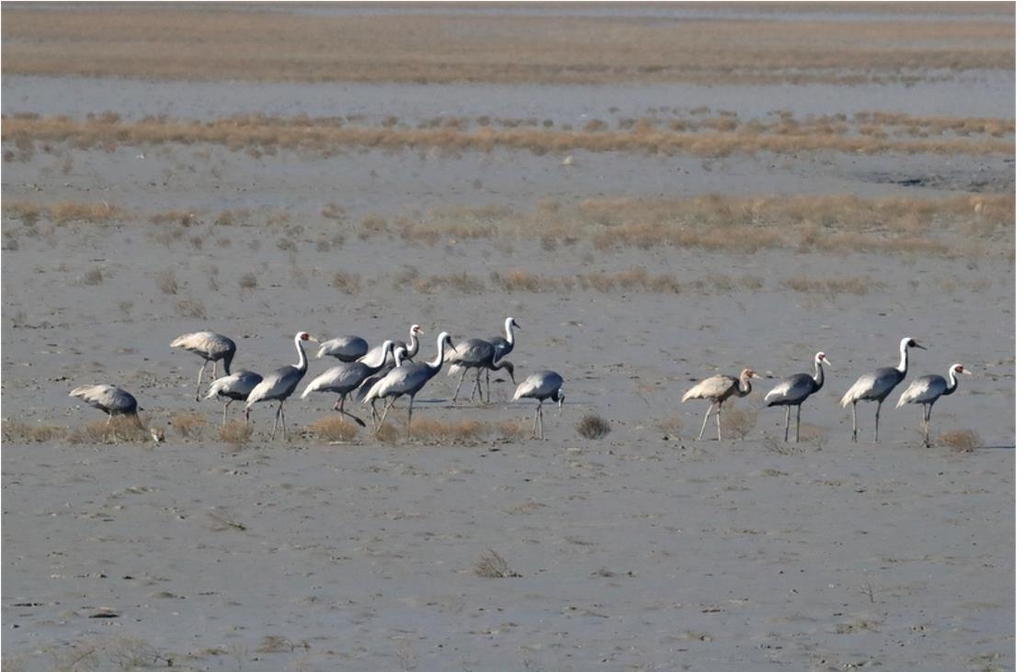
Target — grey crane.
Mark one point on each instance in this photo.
(234, 387)
(346, 377)
(926, 390)
(411, 350)
(407, 379)
(113, 400)
(397, 359)
(484, 355)
(718, 389)
(876, 386)
(211, 347)
(541, 386)
(279, 385)
(344, 348)
(793, 391)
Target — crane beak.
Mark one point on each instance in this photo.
(825, 360)
(966, 372)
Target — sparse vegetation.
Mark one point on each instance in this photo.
(592, 426)
(167, 281)
(189, 425)
(23, 432)
(490, 565)
(347, 283)
(332, 428)
(235, 432)
(738, 422)
(960, 440)
(121, 428)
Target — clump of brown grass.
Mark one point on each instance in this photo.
(832, 287)
(592, 426)
(191, 307)
(388, 433)
(332, 428)
(512, 429)
(459, 282)
(457, 432)
(490, 565)
(235, 432)
(189, 425)
(519, 281)
(960, 440)
(120, 428)
(23, 432)
(347, 283)
(248, 281)
(167, 281)
(739, 422)
(671, 426)
(93, 276)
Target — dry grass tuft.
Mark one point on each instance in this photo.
(960, 440)
(671, 427)
(189, 425)
(121, 428)
(167, 281)
(458, 282)
(332, 428)
(235, 432)
(389, 433)
(248, 281)
(23, 432)
(739, 422)
(93, 276)
(347, 283)
(191, 307)
(457, 432)
(832, 287)
(593, 426)
(490, 565)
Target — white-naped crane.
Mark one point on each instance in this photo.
(113, 400)
(484, 355)
(343, 348)
(793, 391)
(211, 347)
(345, 378)
(718, 389)
(927, 390)
(877, 385)
(407, 379)
(412, 348)
(234, 387)
(541, 386)
(279, 385)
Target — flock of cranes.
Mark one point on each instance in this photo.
(388, 372)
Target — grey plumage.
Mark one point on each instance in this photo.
(541, 386)
(793, 391)
(407, 379)
(876, 386)
(411, 349)
(345, 378)
(279, 385)
(485, 356)
(234, 387)
(344, 348)
(211, 347)
(110, 399)
(718, 389)
(926, 390)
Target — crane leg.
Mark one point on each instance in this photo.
(718, 421)
(387, 407)
(408, 421)
(878, 412)
(927, 420)
(284, 423)
(488, 386)
(786, 435)
(705, 423)
(459, 386)
(340, 407)
(540, 419)
(855, 422)
(798, 423)
(246, 416)
(224, 420)
(199, 380)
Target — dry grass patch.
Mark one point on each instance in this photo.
(458, 282)
(592, 426)
(191, 307)
(960, 440)
(347, 283)
(235, 432)
(65, 211)
(24, 432)
(490, 565)
(671, 427)
(738, 422)
(189, 425)
(457, 432)
(332, 429)
(832, 287)
(167, 281)
(121, 428)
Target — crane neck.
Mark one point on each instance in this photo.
(439, 357)
(953, 381)
(385, 350)
(509, 336)
(904, 357)
(227, 363)
(744, 387)
(414, 344)
(819, 374)
(302, 353)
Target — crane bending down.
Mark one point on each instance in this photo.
(344, 348)
(234, 387)
(211, 347)
(279, 385)
(344, 378)
(718, 389)
(540, 386)
(793, 391)
(926, 390)
(411, 349)
(113, 400)
(878, 385)
(407, 379)
(484, 355)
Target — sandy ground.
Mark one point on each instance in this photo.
(642, 550)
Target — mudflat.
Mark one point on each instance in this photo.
(647, 222)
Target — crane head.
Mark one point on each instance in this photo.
(820, 357)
